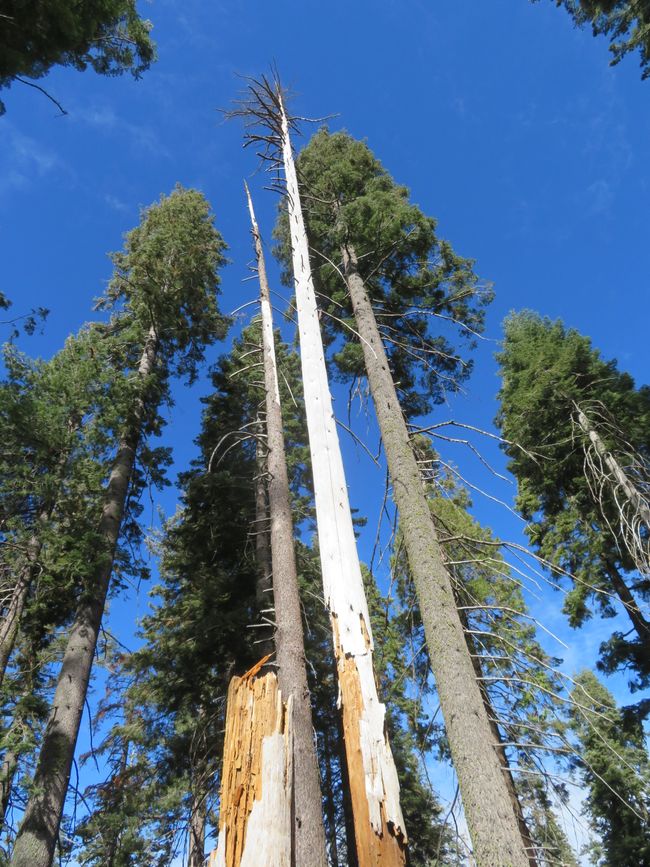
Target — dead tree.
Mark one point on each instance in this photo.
(255, 816)
(379, 826)
(309, 833)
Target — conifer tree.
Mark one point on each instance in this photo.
(616, 772)
(164, 294)
(47, 462)
(396, 276)
(556, 389)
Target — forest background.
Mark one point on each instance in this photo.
(503, 119)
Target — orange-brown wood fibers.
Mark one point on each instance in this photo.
(254, 711)
(373, 849)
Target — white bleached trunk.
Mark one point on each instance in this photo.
(379, 825)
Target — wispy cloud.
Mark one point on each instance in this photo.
(142, 137)
(115, 203)
(23, 159)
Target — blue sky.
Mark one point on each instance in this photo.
(504, 120)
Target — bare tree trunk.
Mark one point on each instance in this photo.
(289, 639)
(497, 739)
(255, 816)
(379, 824)
(39, 831)
(490, 816)
(8, 768)
(197, 832)
(11, 622)
(640, 624)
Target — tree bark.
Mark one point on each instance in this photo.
(39, 831)
(11, 622)
(309, 832)
(640, 624)
(197, 832)
(379, 825)
(8, 768)
(264, 585)
(491, 820)
(497, 739)
(255, 815)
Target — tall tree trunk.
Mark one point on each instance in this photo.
(491, 820)
(640, 624)
(39, 831)
(379, 824)
(197, 831)
(8, 768)
(497, 741)
(11, 622)
(264, 585)
(289, 639)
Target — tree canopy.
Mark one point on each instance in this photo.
(108, 36)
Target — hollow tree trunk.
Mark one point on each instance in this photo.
(379, 825)
(38, 833)
(255, 815)
(309, 839)
(491, 820)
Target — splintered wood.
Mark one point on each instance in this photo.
(257, 780)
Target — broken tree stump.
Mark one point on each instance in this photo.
(257, 778)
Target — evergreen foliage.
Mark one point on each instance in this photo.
(616, 772)
(107, 35)
(548, 371)
(625, 22)
(421, 290)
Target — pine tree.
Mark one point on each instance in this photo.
(553, 378)
(395, 277)
(164, 289)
